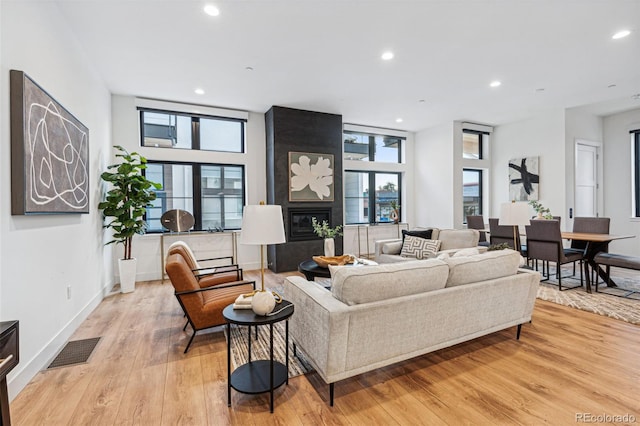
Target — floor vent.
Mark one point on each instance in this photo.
(75, 352)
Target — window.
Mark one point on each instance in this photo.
(163, 129)
(471, 193)
(472, 142)
(369, 147)
(363, 205)
(213, 193)
(635, 148)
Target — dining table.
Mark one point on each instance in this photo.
(595, 243)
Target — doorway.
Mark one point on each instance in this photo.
(588, 164)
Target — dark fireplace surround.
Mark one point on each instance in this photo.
(300, 222)
(293, 130)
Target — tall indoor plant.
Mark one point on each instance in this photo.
(124, 207)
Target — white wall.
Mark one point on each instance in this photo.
(543, 136)
(42, 255)
(434, 187)
(146, 249)
(617, 183)
(579, 125)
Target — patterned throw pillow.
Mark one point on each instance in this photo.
(420, 248)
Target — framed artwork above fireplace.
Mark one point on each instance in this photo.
(311, 177)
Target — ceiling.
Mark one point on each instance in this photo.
(324, 55)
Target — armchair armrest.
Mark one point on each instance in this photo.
(217, 258)
(233, 284)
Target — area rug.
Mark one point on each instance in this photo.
(602, 303)
(260, 348)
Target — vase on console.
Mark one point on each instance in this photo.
(329, 247)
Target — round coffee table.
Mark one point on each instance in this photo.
(311, 270)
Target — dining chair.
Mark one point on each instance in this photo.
(477, 222)
(591, 225)
(544, 242)
(499, 234)
(202, 306)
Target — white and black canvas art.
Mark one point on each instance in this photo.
(49, 153)
(524, 179)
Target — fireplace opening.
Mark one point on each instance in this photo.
(300, 222)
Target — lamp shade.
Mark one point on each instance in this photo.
(512, 214)
(262, 224)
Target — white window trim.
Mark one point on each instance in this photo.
(191, 109)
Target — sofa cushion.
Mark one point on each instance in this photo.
(422, 233)
(458, 238)
(473, 251)
(363, 284)
(482, 267)
(392, 248)
(419, 248)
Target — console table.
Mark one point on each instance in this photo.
(261, 375)
(9, 358)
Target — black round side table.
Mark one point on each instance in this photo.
(311, 270)
(261, 375)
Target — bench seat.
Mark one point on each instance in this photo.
(617, 260)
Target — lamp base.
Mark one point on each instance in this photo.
(263, 302)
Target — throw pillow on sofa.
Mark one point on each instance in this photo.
(419, 248)
(422, 233)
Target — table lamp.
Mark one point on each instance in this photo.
(262, 225)
(514, 214)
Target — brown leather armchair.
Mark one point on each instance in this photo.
(207, 276)
(202, 306)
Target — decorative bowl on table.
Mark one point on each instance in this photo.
(325, 261)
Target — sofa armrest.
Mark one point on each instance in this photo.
(380, 243)
(318, 310)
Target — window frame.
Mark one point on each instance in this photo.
(197, 190)
(480, 173)
(481, 142)
(372, 145)
(195, 129)
(635, 169)
(371, 179)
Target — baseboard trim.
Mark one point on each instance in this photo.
(18, 379)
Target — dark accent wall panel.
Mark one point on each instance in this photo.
(294, 130)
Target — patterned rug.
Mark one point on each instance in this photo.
(260, 348)
(606, 302)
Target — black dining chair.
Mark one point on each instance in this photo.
(544, 242)
(499, 234)
(477, 222)
(591, 225)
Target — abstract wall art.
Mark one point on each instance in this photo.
(524, 179)
(49, 153)
(310, 177)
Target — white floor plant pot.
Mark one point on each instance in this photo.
(127, 268)
(329, 247)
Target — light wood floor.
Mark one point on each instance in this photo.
(566, 362)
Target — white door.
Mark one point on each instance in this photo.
(586, 193)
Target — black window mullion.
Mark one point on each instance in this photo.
(197, 195)
(223, 193)
(637, 173)
(372, 197)
(195, 133)
(372, 148)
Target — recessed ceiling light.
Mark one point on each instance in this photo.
(611, 86)
(399, 120)
(636, 97)
(495, 83)
(387, 56)
(621, 34)
(421, 101)
(540, 89)
(211, 10)
(199, 91)
(248, 68)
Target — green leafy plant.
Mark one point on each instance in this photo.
(323, 230)
(541, 210)
(501, 246)
(126, 202)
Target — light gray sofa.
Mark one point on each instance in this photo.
(451, 240)
(375, 316)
